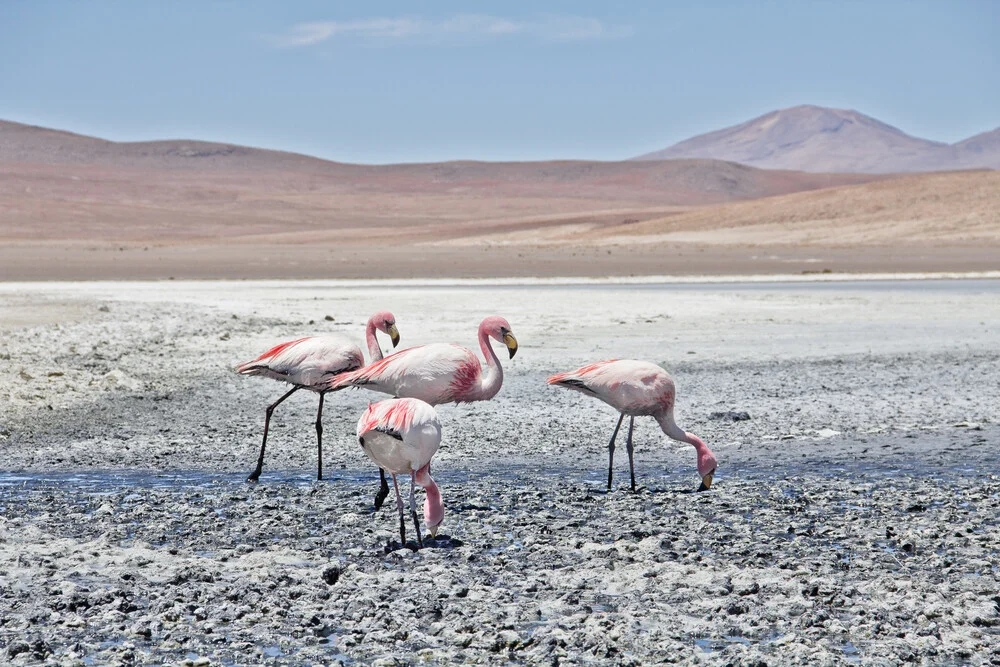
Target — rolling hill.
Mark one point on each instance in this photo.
(58, 185)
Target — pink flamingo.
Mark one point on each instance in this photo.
(438, 373)
(401, 435)
(309, 363)
(637, 388)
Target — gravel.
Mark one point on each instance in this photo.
(855, 517)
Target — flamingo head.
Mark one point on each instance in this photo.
(433, 515)
(706, 462)
(498, 329)
(433, 510)
(433, 505)
(385, 322)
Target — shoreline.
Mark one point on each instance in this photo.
(566, 281)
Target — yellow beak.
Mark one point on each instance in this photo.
(393, 335)
(511, 343)
(706, 482)
(434, 531)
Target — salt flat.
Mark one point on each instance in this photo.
(854, 516)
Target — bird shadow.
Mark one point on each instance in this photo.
(439, 542)
(685, 491)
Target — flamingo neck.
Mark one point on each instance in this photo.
(492, 378)
(670, 427)
(374, 351)
(706, 459)
(433, 505)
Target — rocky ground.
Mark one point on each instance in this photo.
(855, 516)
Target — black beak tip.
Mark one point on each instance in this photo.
(702, 487)
(513, 352)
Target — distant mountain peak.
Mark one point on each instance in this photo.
(821, 139)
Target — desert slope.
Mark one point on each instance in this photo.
(950, 207)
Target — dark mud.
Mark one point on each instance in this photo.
(825, 565)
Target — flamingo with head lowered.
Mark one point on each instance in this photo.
(401, 435)
(637, 388)
(310, 363)
(440, 372)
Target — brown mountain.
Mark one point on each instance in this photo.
(817, 139)
(986, 144)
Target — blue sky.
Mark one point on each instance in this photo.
(383, 82)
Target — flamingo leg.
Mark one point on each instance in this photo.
(611, 449)
(628, 446)
(383, 490)
(319, 437)
(255, 475)
(399, 506)
(413, 507)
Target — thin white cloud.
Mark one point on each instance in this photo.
(460, 28)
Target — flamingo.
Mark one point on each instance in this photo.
(438, 373)
(401, 435)
(309, 363)
(637, 388)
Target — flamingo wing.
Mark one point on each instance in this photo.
(400, 434)
(436, 374)
(633, 387)
(309, 362)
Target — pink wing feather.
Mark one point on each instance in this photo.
(393, 415)
(267, 356)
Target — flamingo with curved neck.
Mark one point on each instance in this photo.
(309, 363)
(438, 373)
(637, 388)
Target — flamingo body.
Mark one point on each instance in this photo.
(438, 373)
(637, 388)
(401, 435)
(307, 362)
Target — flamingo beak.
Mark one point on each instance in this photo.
(706, 482)
(393, 334)
(511, 343)
(434, 531)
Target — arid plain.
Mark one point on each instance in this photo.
(83, 208)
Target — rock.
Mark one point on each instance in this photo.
(331, 575)
(730, 415)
